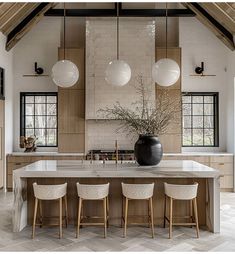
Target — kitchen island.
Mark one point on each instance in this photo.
(72, 171)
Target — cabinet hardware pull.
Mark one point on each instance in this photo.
(18, 163)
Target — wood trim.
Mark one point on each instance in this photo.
(25, 25)
(205, 18)
(17, 17)
(220, 15)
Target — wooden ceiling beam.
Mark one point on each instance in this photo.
(17, 17)
(211, 23)
(220, 15)
(26, 24)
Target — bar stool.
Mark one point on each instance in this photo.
(138, 192)
(93, 192)
(181, 192)
(50, 192)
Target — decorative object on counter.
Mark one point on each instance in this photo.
(166, 71)
(65, 73)
(148, 120)
(29, 143)
(148, 150)
(118, 72)
(200, 71)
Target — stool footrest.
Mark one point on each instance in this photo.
(184, 224)
(91, 224)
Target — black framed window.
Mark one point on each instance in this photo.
(200, 119)
(39, 117)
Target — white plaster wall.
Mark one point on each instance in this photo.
(6, 62)
(199, 44)
(230, 102)
(39, 45)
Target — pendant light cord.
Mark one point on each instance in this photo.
(117, 31)
(166, 28)
(64, 28)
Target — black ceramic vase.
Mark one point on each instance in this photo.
(148, 150)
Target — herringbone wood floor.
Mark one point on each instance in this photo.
(138, 238)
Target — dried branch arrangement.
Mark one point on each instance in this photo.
(146, 117)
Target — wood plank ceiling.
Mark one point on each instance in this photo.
(16, 19)
(219, 18)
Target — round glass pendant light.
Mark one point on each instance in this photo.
(64, 72)
(118, 72)
(166, 71)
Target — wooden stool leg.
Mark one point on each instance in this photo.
(66, 211)
(125, 220)
(170, 217)
(151, 214)
(79, 216)
(164, 219)
(122, 217)
(191, 210)
(105, 217)
(107, 200)
(40, 211)
(196, 215)
(34, 217)
(61, 221)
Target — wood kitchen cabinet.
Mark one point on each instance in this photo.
(15, 162)
(224, 163)
(71, 108)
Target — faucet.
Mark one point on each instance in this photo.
(91, 156)
(116, 148)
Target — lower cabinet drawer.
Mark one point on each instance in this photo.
(226, 181)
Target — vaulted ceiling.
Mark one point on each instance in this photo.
(16, 19)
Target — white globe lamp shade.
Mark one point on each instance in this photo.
(65, 73)
(165, 72)
(118, 73)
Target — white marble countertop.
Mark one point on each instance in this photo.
(82, 154)
(129, 169)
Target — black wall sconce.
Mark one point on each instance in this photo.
(38, 72)
(200, 71)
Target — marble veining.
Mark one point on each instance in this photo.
(77, 168)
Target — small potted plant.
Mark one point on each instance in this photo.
(148, 119)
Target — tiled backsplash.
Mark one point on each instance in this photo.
(137, 48)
